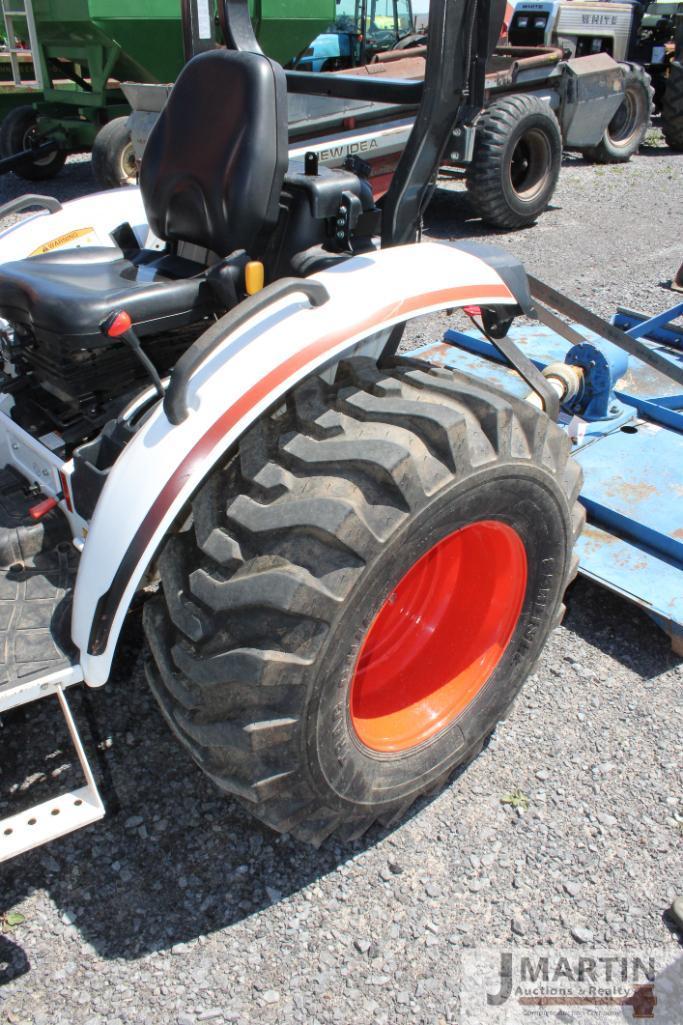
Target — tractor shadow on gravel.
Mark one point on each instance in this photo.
(450, 216)
(178, 861)
(624, 632)
(13, 961)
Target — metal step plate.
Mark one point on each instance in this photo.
(59, 815)
(48, 821)
(38, 565)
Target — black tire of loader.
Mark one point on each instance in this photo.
(672, 108)
(17, 133)
(112, 157)
(516, 162)
(292, 547)
(627, 129)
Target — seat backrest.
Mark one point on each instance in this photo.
(215, 161)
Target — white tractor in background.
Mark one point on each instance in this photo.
(640, 35)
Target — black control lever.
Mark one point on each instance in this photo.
(119, 325)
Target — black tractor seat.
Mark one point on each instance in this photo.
(67, 295)
(211, 177)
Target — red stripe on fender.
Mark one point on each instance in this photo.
(267, 385)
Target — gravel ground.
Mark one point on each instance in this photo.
(178, 908)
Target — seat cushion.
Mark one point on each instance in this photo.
(215, 161)
(66, 295)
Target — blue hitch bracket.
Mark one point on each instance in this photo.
(602, 367)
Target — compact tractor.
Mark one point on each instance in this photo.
(348, 559)
(362, 29)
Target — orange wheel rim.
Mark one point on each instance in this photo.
(438, 637)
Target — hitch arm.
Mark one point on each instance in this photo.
(557, 301)
(16, 160)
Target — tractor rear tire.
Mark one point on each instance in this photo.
(113, 156)
(627, 129)
(18, 132)
(359, 592)
(672, 108)
(516, 162)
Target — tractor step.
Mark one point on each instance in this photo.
(60, 815)
(38, 564)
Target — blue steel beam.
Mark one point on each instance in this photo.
(659, 328)
(633, 469)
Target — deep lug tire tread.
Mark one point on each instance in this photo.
(279, 538)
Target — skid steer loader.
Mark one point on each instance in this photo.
(352, 559)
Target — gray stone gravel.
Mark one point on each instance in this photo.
(180, 909)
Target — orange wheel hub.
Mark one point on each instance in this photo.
(438, 636)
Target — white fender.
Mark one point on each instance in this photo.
(163, 465)
(88, 221)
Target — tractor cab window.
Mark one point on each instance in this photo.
(379, 24)
(348, 17)
(404, 18)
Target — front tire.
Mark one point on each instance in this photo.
(516, 162)
(362, 591)
(627, 129)
(19, 132)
